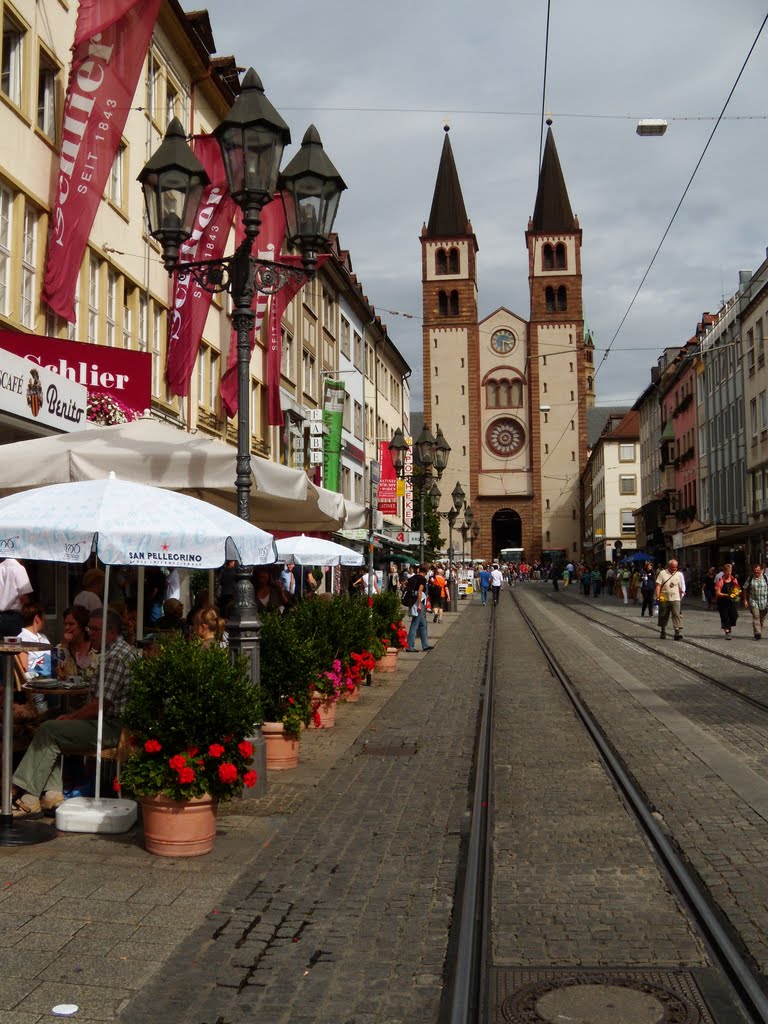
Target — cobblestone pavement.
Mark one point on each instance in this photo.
(90, 920)
(697, 752)
(344, 917)
(574, 883)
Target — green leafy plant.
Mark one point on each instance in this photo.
(290, 662)
(191, 710)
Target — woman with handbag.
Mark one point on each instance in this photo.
(727, 595)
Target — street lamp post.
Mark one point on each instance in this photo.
(429, 452)
(457, 497)
(252, 138)
(463, 530)
(472, 538)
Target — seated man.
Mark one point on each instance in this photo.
(40, 769)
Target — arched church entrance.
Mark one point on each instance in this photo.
(506, 531)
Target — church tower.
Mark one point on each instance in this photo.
(449, 290)
(561, 371)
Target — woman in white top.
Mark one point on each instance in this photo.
(34, 663)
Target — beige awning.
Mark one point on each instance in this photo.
(152, 452)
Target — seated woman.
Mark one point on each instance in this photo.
(209, 628)
(269, 594)
(34, 663)
(75, 655)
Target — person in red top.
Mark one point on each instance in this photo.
(437, 593)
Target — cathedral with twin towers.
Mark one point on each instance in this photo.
(511, 394)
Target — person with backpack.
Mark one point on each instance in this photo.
(625, 578)
(415, 599)
(436, 589)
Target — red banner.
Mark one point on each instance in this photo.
(267, 246)
(111, 41)
(119, 372)
(190, 305)
(387, 481)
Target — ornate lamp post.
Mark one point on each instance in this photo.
(457, 497)
(473, 537)
(463, 530)
(429, 453)
(252, 138)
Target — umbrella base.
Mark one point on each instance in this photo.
(28, 833)
(89, 814)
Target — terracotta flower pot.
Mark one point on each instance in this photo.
(179, 828)
(352, 696)
(326, 709)
(388, 663)
(282, 751)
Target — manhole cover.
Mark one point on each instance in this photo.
(598, 997)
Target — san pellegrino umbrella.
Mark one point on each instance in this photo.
(123, 523)
(315, 551)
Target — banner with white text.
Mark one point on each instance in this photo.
(111, 41)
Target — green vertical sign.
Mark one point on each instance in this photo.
(333, 419)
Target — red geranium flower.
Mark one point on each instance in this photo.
(152, 746)
(245, 748)
(192, 751)
(250, 778)
(227, 772)
(177, 762)
(186, 774)
(215, 750)
(116, 785)
(291, 700)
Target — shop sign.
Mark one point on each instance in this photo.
(118, 372)
(34, 393)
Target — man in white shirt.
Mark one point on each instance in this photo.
(15, 589)
(670, 591)
(497, 578)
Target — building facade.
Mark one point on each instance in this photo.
(510, 393)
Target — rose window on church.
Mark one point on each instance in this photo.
(505, 437)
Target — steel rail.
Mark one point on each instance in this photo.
(652, 649)
(467, 984)
(743, 979)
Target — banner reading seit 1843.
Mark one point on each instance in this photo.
(111, 41)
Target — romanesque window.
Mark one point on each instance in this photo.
(454, 303)
(549, 299)
(504, 394)
(442, 303)
(562, 298)
(453, 260)
(560, 259)
(441, 262)
(548, 257)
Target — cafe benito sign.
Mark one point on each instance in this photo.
(35, 393)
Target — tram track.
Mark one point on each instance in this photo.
(708, 918)
(651, 647)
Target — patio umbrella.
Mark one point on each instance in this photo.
(315, 551)
(123, 523)
(639, 556)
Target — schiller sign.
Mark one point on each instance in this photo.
(119, 372)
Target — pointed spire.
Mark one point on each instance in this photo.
(448, 216)
(552, 213)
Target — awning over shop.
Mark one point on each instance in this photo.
(152, 452)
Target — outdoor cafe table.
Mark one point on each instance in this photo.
(12, 833)
(55, 688)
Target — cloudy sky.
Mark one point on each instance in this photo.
(380, 79)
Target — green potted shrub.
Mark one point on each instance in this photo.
(289, 664)
(191, 710)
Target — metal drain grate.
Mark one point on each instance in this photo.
(389, 750)
(633, 995)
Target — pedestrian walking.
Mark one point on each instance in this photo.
(727, 594)
(597, 582)
(625, 578)
(436, 589)
(647, 588)
(497, 579)
(484, 578)
(586, 580)
(670, 591)
(755, 596)
(417, 589)
(610, 579)
(709, 589)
